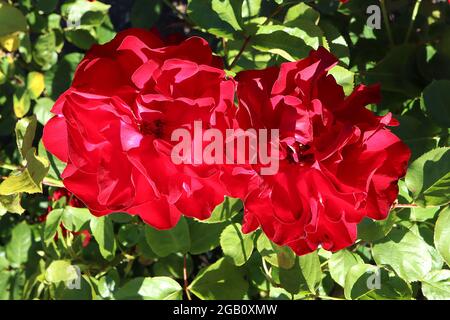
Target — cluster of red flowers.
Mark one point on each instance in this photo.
(338, 161)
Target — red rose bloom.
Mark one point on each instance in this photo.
(338, 161)
(113, 127)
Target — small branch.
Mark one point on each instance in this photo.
(406, 205)
(411, 205)
(236, 58)
(386, 22)
(9, 166)
(268, 273)
(225, 52)
(247, 39)
(53, 182)
(185, 277)
(413, 19)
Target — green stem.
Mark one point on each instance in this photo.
(8, 166)
(386, 22)
(413, 19)
(185, 278)
(53, 182)
(247, 38)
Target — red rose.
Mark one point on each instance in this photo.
(338, 161)
(113, 127)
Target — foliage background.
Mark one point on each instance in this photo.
(40, 46)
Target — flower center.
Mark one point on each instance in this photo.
(154, 128)
(298, 153)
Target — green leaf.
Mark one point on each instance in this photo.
(5, 282)
(25, 130)
(291, 43)
(44, 51)
(11, 19)
(251, 8)
(165, 242)
(219, 281)
(340, 263)
(84, 292)
(82, 38)
(276, 255)
(371, 230)
(423, 214)
(334, 41)
(145, 13)
(108, 283)
(418, 134)
(173, 266)
(30, 179)
(103, 231)
(428, 178)
(105, 32)
(60, 270)
(236, 245)
(344, 77)
(35, 84)
(84, 12)
(436, 100)
(218, 17)
(21, 102)
(129, 234)
(301, 12)
(10, 204)
(442, 234)
(47, 6)
(18, 247)
(59, 77)
(204, 236)
(76, 219)
(406, 252)
(42, 110)
(225, 211)
(305, 275)
(436, 285)
(157, 288)
(367, 282)
(52, 222)
(397, 71)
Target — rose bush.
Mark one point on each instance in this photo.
(118, 92)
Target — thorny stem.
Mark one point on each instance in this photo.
(386, 22)
(185, 278)
(413, 19)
